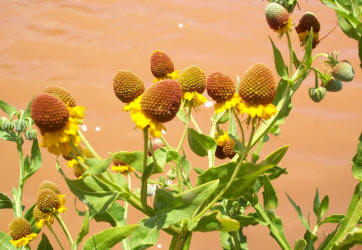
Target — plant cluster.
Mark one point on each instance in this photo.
(246, 114)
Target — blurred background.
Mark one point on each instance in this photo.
(80, 45)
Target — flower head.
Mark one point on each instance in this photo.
(121, 167)
(193, 84)
(47, 201)
(277, 17)
(343, 71)
(257, 90)
(42, 218)
(127, 86)
(304, 27)
(161, 65)
(49, 185)
(225, 146)
(60, 93)
(20, 231)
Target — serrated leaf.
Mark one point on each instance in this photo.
(32, 164)
(300, 214)
(269, 195)
(85, 228)
(7, 108)
(97, 166)
(5, 201)
(200, 144)
(108, 238)
(44, 244)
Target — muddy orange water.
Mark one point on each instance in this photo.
(80, 45)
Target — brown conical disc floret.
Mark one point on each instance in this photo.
(38, 215)
(19, 228)
(219, 153)
(308, 21)
(162, 100)
(127, 86)
(257, 85)
(49, 113)
(192, 79)
(228, 148)
(220, 87)
(62, 94)
(276, 16)
(47, 201)
(161, 64)
(49, 185)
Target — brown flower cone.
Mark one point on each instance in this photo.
(127, 86)
(62, 94)
(192, 79)
(161, 64)
(19, 228)
(220, 87)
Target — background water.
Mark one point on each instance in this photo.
(80, 45)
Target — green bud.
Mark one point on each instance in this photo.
(8, 125)
(30, 134)
(317, 94)
(171, 174)
(333, 85)
(343, 71)
(19, 125)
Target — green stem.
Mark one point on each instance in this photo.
(210, 154)
(18, 204)
(236, 171)
(125, 242)
(185, 130)
(88, 145)
(195, 124)
(316, 80)
(279, 238)
(318, 55)
(55, 236)
(236, 240)
(179, 179)
(240, 126)
(165, 142)
(291, 55)
(144, 177)
(180, 241)
(65, 230)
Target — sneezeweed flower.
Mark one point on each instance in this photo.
(49, 185)
(257, 90)
(58, 123)
(162, 66)
(305, 25)
(157, 105)
(221, 89)
(62, 94)
(127, 86)
(50, 202)
(20, 231)
(277, 18)
(193, 84)
(225, 146)
(121, 167)
(343, 71)
(42, 218)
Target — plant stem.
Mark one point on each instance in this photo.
(240, 126)
(18, 206)
(65, 230)
(165, 142)
(195, 124)
(88, 145)
(210, 154)
(291, 55)
(236, 171)
(55, 236)
(186, 128)
(144, 177)
(125, 242)
(236, 240)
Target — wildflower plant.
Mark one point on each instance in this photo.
(223, 198)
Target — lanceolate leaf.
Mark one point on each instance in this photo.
(300, 214)
(144, 236)
(269, 195)
(5, 201)
(108, 238)
(85, 228)
(199, 143)
(215, 221)
(44, 243)
(97, 166)
(114, 215)
(278, 61)
(7, 108)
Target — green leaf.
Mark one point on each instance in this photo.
(5, 243)
(44, 244)
(32, 164)
(27, 112)
(85, 228)
(232, 130)
(357, 161)
(347, 27)
(200, 144)
(215, 221)
(226, 241)
(310, 238)
(97, 166)
(144, 237)
(316, 204)
(324, 206)
(300, 214)
(278, 61)
(134, 159)
(5, 201)
(29, 217)
(7, 108)
(269, 195)
(199, 170)
(350, 221)
(8, 136)
(108, 238)
(307, 59)
(300, 244)
(246, 177)
(173, 209)
(92, 192)
(114, 215)
(351, 239)
(335, 218)
(181, 115)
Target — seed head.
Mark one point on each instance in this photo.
(192, 79)
(308, 21)
(257, 85)
(219, 153)
(49, 113)
(47, 200)
(62, 94)
(220, 87)
(162, 100)
(49, 185)
(19, 228)
(161, 64)
(228, 148)
(127, 86)
(343, 71)
(276, 16)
